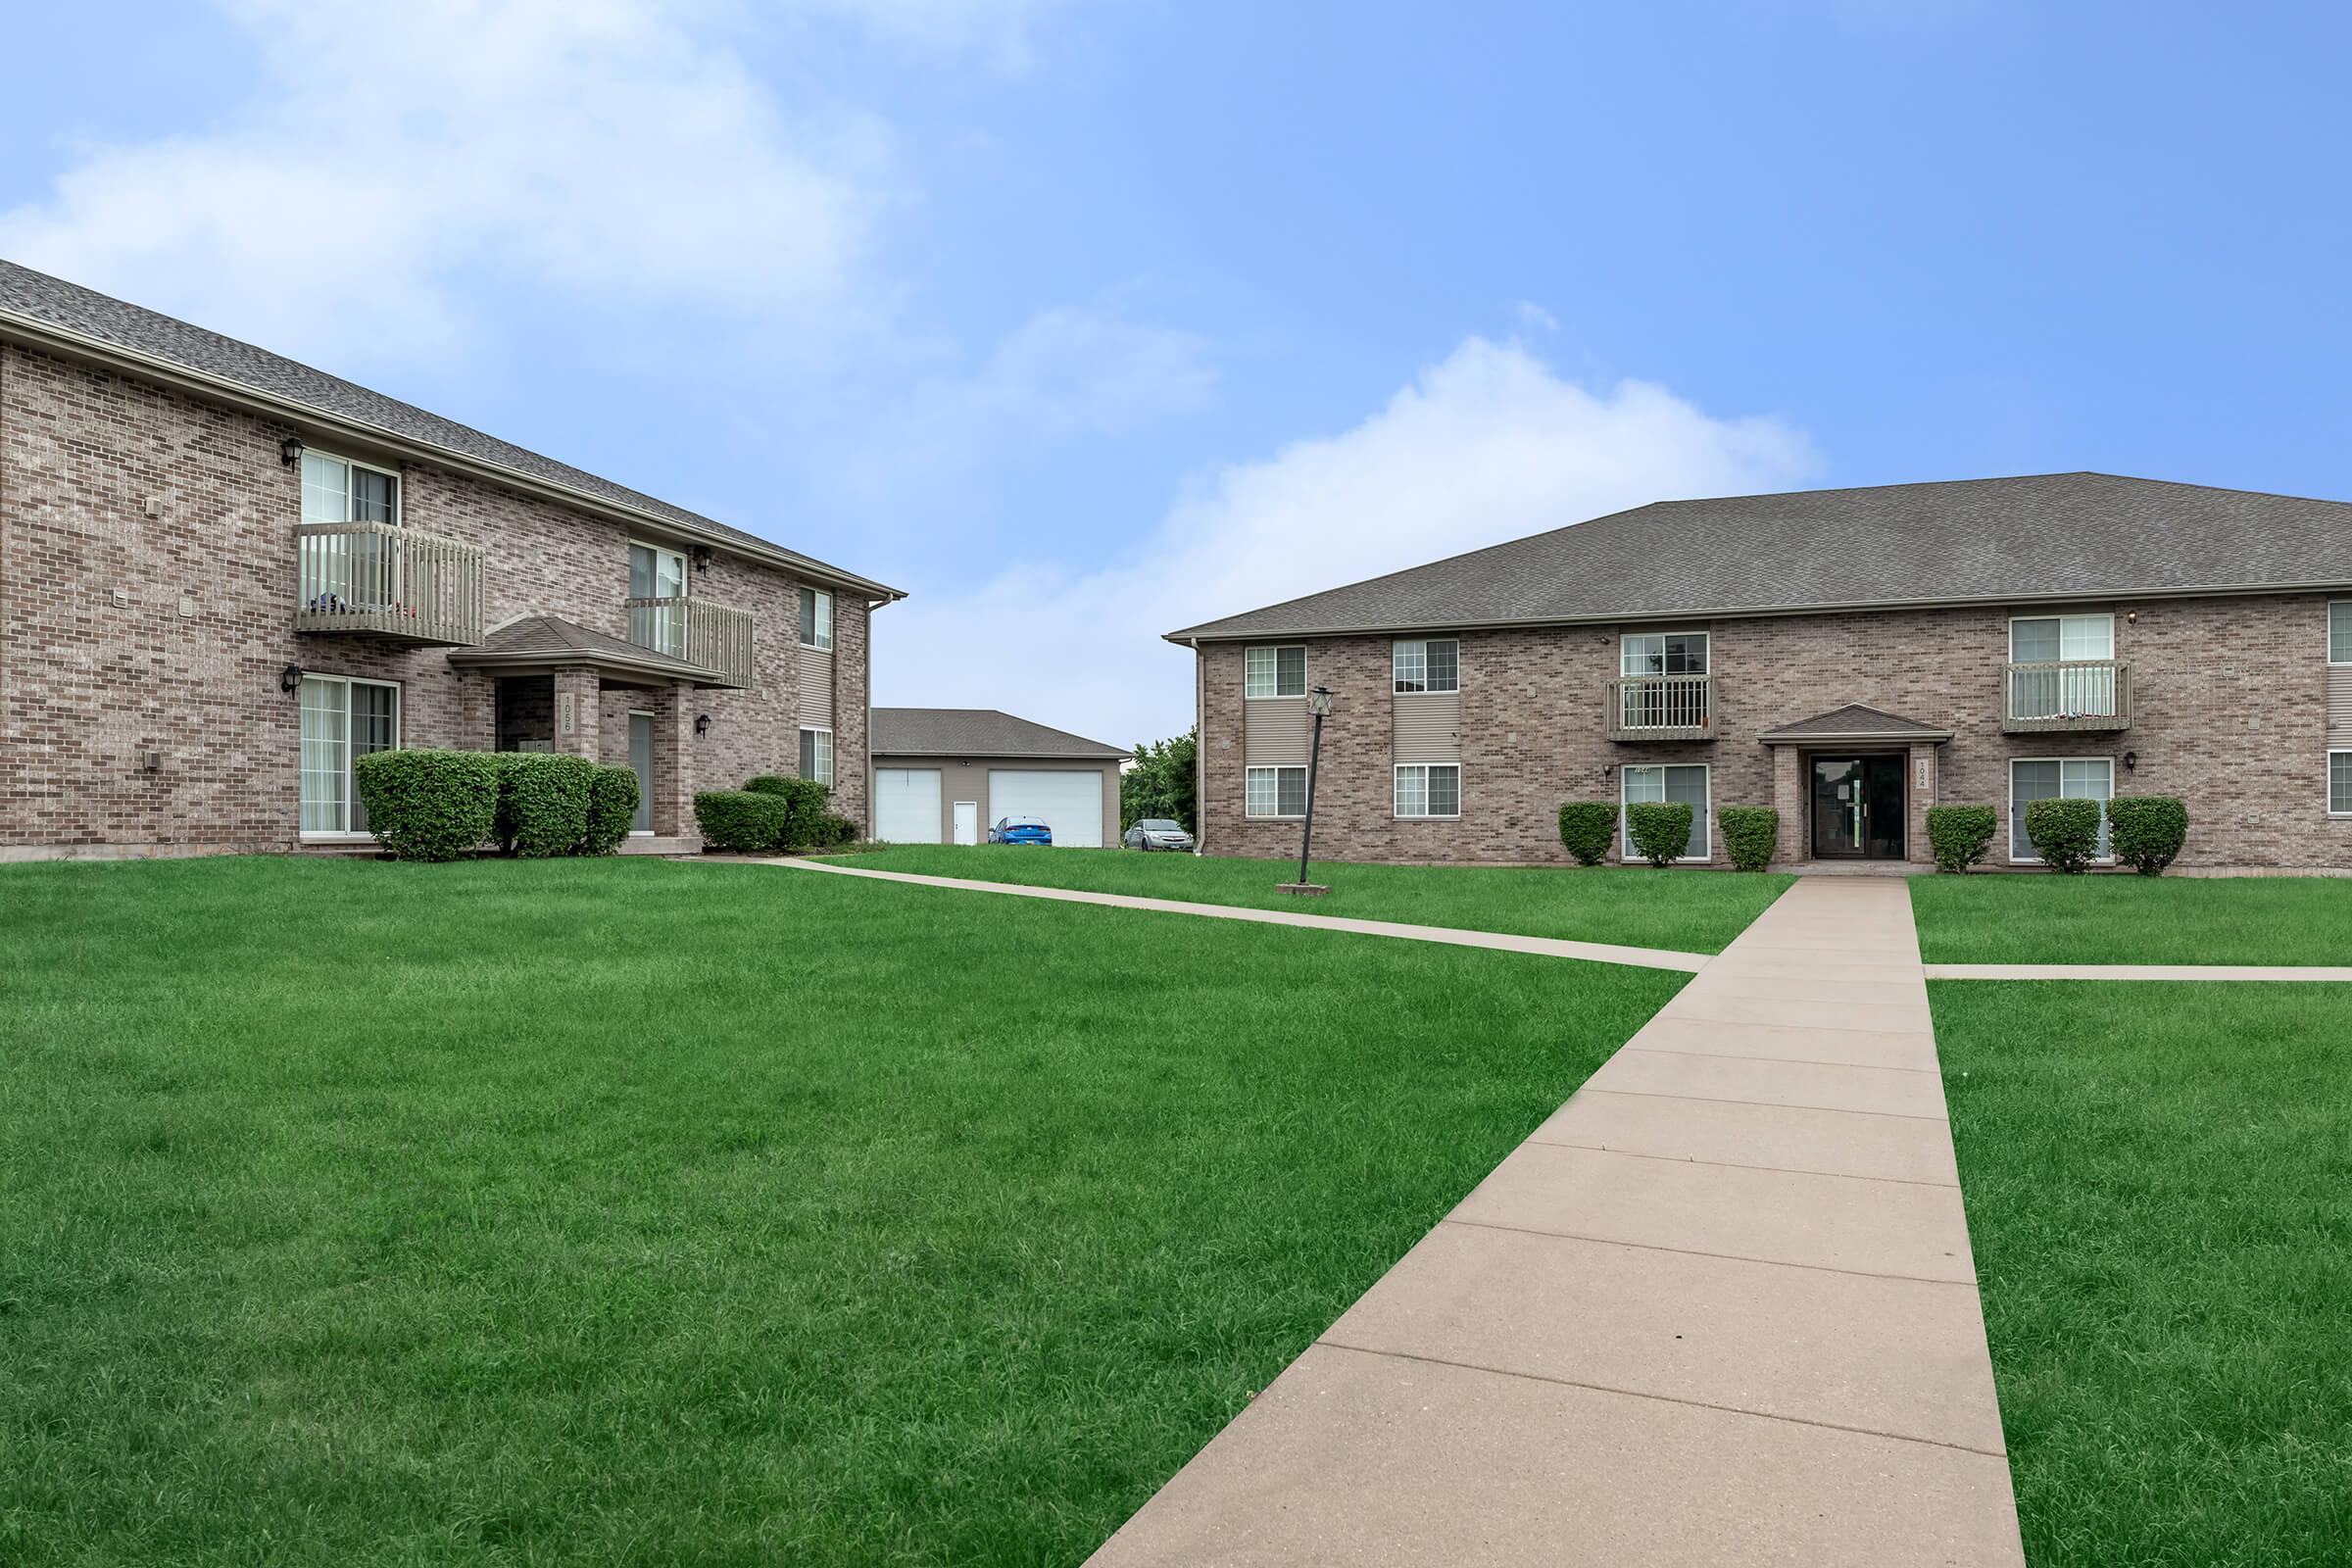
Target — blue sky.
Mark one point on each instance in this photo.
(1084, 322)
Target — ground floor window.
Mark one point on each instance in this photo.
(816, 755)
(1685, 781)
(1429, 789)
(2044, 778)
(342, 721)
(1276, 790)
(2339, 783)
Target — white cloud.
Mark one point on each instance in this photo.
(392, 158)
(1487, 445)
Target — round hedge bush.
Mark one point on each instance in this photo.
(612, 809)
(2147, 831)
(742, 821)
(543, 803)
(1750, 833)
(1585, 829)
(1960, 835)
(1660, 830)
(429, 804)
(2065, 833)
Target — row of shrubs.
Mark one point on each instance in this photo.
(442, 806)
(770, 815)
(2145, 832)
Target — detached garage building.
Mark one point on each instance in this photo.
(942, 775)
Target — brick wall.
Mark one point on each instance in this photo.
(2227, 701)
(110, 485)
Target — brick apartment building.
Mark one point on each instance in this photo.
(1849, 657)
(224, 575)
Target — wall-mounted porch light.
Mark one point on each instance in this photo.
(702, 723)
(2130, 761)
(289, 680)
(290, 449)
(701, 558)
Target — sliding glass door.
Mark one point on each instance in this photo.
(342, 721)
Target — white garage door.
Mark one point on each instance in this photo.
(1070, 803)
(907, 804)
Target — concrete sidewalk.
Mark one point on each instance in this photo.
(1719, 1309)
(2138, 971)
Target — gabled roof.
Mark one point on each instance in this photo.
(1854, 723)
(974, 732)
(2039, 537)
(549, 642)
(50, 309)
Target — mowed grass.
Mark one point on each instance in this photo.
(1684, 911)
(2156, 1178)
(2133, 920)
(632, 1212)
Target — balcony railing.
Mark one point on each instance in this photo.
(714, 636)
(1661, 707)
(2073, 693)
(376, 579)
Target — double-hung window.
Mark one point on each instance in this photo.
(342, 721)
(2044, 778)
(1429, 789)
(1274, 671)
(1681, 781)
(816, 619)
(2339, 783)
(2339, 632)
(816, 755)
(657, 599)
(353, 567)
(1275, 790)
(2046, 681)
(1428, 666)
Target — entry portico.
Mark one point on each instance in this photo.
(1854, 784)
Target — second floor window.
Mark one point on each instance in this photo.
(1662, 653)
(1427, 666)
(816, 619)
(1274, 671)
(2052, 639)
(655, 574)
(338, 490)
(2339, 632)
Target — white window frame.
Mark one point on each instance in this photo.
(1273, 653)
(2335, 752)
(345, 834)
(685, 564)
(1396, 784)
(400, 487)
(1420, 647)
(824, 753)
(816, 627)
(2011, 823)
(1277, 769)
(2334, 605)
(1706, 821)
(1626, 640)
(2064, 657)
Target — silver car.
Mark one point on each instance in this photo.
(1158, 833)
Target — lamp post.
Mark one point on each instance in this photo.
(1318, 704)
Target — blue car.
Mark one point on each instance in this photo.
(1020, 830)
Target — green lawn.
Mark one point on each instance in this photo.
(2159, 1188)
(1691, 911)
(633, 1212)
(2133, 920)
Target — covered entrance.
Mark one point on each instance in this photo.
(1858, 806)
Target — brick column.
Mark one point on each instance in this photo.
(579, 709)
(1919, 788)
(1789, 799)
(675, 771)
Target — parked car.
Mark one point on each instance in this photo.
(1019, 830)
(1158, 833)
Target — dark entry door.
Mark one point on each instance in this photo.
(1858, 807)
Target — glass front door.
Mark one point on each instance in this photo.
(1858, 807)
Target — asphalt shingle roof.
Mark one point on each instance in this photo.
(974, 732)
(1857, 719)
(2047, 535)
(40, 299)
(557, 637)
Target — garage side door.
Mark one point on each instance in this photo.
(1070, 803)
(907, 804)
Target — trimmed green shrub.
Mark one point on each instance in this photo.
(1585, 829)
(429, 804)
(744, 822)
(2147, 831)
(1660, 829)
(2065, 833)
(612, 809)
(543, 803)
(1960, 835)
(833, 828)
(806, 804)
(1750, 833)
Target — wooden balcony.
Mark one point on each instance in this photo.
(714, 636)
(1661, 707)
(2073, 693)
(376, 579)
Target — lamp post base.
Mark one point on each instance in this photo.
(1304, 890)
